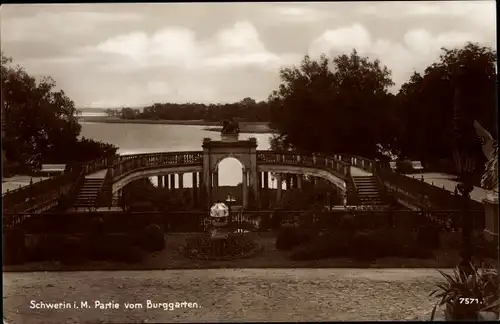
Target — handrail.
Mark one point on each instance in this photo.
(317, 160)
(126, 163)
(382, 186)
(356, 192)
(29, 196)
(101, 199)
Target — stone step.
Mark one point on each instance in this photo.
(368, 192)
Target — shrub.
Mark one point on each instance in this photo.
(240, 244)
(153, 238)
(54, 247)
(428, 236)
(289, 237)
(14, 246)
(73, 251)
(233, 246)
(364, 247)
(348, 223)
(119, 248)
(97, 226)
(326, 245)
(125, 253)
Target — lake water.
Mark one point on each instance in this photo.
(145, 138)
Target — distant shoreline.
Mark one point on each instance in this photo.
(245, 127)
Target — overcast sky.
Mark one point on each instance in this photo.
(112, 55)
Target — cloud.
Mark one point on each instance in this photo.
(239, 45)
(479, 13)
(298, 15)
(135, 54)
(418, 49)
(44, 26)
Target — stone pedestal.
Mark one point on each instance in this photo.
(229, 137)
(491, 216)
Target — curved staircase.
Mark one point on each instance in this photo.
(368, 190)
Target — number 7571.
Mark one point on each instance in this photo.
(464, 300)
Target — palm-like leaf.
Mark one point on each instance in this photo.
(481, 284)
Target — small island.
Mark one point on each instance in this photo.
(252, 116)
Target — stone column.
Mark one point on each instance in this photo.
(299, 181)
(172, 181)
(266, 180)
(288, 181)
(181, 180)
(160, 181)
(215, 184)
(117, 198)
(343, 197)
(279, 186)
(164, 182)
(258, 190)
(194, 189)
(201, 187)
(245, 188)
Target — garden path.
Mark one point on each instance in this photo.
(223, 295)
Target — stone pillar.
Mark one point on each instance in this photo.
(288, 181)
(165, 181)
(117, 198)
(266, 180)
(194, 189)
(215, 184)
(160, 181)
(279, 186)
(201, 187)
(299, 181)
(181, 180)
(343, 197)
(491, 218)
(258, 188)
(172, 181)
(245, 188)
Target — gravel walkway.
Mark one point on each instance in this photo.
(221, 295)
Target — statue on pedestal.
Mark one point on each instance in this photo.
(230, 126)
(490, 150)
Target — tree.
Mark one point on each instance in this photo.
(38, 118)
(40, 121)
(112, 112)
(339, 107)
(426, 102)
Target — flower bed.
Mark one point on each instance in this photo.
(233, 246)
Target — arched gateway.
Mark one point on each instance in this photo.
(244, 151)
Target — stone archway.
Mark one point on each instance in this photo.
(242, 150)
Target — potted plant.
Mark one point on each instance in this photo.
(466, 296)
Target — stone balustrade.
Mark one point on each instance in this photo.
(35, 194)
(329, 163)
(129, 163)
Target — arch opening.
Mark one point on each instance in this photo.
(229, 180)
